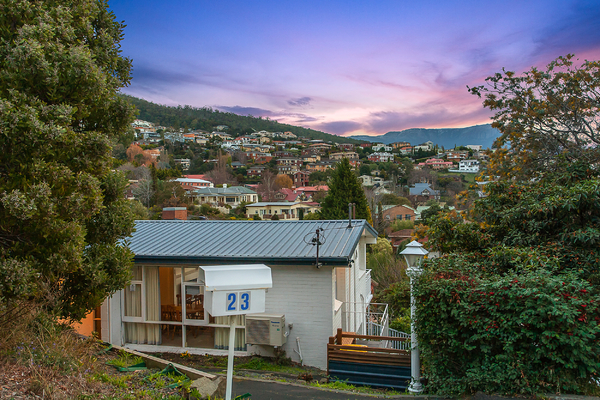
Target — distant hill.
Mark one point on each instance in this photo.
(447, 137)
(207, 119)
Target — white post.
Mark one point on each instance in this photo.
(230, 357)
(415, 362)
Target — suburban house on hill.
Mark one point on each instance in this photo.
(162, 310)
(283, 209)
(219, 197)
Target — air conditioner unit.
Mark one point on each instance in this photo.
(266, 329)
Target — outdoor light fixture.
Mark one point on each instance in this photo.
(414, 254)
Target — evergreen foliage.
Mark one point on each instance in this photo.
(344, 188)
(62, 209)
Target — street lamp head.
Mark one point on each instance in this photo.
(414, 253)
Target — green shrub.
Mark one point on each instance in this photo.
(527, 331)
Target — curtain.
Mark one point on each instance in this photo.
(133, 304)
(153, 331)
(141, 333)
(222, 334)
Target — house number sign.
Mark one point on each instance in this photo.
(238, 301)
(230, 302)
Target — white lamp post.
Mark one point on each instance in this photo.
(414, 254)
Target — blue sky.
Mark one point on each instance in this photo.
(345, 67)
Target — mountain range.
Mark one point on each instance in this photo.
(447, 137)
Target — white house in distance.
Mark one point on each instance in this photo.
(162, 310)
(467, 166)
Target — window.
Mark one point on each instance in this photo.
(406, 217)
(229, 199)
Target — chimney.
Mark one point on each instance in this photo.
(224, 186)
(174, 213)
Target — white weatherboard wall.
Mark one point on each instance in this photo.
(304, 295)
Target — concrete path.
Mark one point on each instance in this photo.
(267, 390)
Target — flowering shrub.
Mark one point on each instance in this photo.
(531, 331)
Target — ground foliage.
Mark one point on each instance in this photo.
(513, 304)
(62, 208)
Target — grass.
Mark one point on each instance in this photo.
(339, 385)
(125, 360)
(261, 364)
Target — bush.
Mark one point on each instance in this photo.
(275, 218)
(399, 224)
(528, 331)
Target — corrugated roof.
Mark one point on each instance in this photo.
(227, 190)
(226, 242)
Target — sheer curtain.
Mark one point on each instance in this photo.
(222, 334)
(133, 304)
(142, 333)
(153, 331)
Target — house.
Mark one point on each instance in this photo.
(350, 155)
(436, 163)
(381, 157)
(301, 178)
(381, 147)
(255, 170)
(226, 196)
(316, 296)
(368, 180)
(346, 146)
(184, 162)
(399, 145)
(400, 212)
(289, 165)
(284, 210)
(424, 189)
(457, 155)
(469, 166)
(193, 184)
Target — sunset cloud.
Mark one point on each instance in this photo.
(364, 68)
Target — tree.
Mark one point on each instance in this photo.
(283, 181)
(546, 118)
(267, 187)
(344, 188)
(221, 173)
(62, 209)
(520, 282)
(392, 199)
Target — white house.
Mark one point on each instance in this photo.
(468, 166)
(381, 147)
(316, 294)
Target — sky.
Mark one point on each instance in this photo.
(342, 66)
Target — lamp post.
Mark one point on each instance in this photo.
(414, 254)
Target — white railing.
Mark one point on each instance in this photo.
(378, 330)
(363, 314)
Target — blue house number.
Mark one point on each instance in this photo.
(232, 301)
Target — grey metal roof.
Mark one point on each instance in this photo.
(272, 203)
(227, 190)
(227, 242)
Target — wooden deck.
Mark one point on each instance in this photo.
(366, 365)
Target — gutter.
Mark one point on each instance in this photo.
(214, 260)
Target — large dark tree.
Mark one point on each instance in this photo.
(62, 209)
(344, 188)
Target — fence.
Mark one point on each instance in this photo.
(365, 364)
